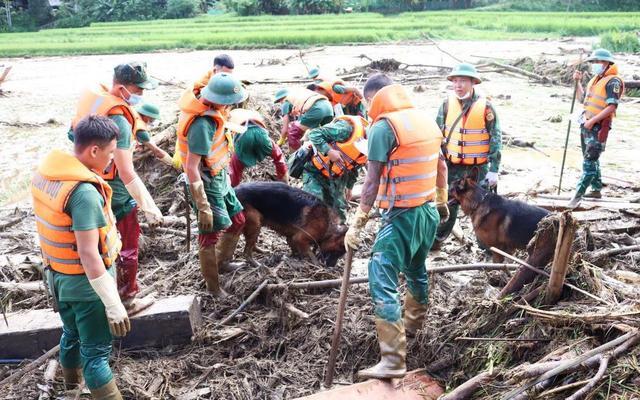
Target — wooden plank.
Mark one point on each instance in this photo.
(595, 215)
(615, 226)
(561, 205)
(416, 385)
(169, 321)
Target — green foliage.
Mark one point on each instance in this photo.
(627, 42)
(228, 31)
(315, 6)
(182, 8)
(40, 12)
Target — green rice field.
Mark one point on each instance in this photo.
(216, 32)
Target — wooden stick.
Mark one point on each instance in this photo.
(295, 311)
(562, 254)
(541, 272)
(245, 303)
(170, 231)
(604, 363)
(31, 366)
(562, 388)
(335, 341)
(614, 252)
(489, 339)
(465, 390)
(519, 71)
(23, 286)
(572, 363)
(11, 222)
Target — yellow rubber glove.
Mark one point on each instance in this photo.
(442, 197)
(205, 215)
(352, 237)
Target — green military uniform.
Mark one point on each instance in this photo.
(592, 148)
(457, 171)
(319, 114)
(86, 339)
(222, 199)
(402, 243)
(252, 146)
(331, 191)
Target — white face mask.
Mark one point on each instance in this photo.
(596, 68)
(134, 99)
(465, 96)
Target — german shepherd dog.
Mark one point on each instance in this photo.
(499, 222)
(307, 222)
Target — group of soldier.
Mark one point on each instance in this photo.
(87, 202)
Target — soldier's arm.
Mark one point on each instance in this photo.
(441, 180)
(370, 186)
(495, 143)
(92, 263)
(442, 113)
(320, 137)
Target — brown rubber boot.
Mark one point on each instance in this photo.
(393, 351)
(107, 392)
(209, 269)
(224, 252)
(72, 377)
(414, 314)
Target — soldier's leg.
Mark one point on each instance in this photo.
(311, 184)
(70, 360)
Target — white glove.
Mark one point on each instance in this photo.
(352, 237)
(105, 288)
(492, 179)
(140, 193)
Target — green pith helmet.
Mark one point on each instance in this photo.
(601, 55)
(314, 73)
(280, 94)
(149, 110)
(224, 89)
(465, 69)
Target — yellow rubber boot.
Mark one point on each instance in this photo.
(414, 314)
(393, 352)
(209, 269)
(224, 252)
(72, 377)
(107, 392)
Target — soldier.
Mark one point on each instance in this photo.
(340, 150)
(407, 177)
(600, 104)
(302, 109)
(204, 147)
(148, 114)
(129, 192)
(346, 100)
(79, 245)
(472, 137)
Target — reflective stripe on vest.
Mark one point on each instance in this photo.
(350, 154)
(50, 197)
(218, 156)
(596, 98)
(470, 140)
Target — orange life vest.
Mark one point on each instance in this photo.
(596, 97)
(302, 100)
(351, 156)
(409, 177)
(469, 142)
(99, 101)
(190, 109)
(51, 187)
(344, 99)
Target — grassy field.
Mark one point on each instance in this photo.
(208, 32)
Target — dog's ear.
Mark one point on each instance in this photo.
(473, 175)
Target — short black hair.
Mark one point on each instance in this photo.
(223, 60)
(375, 83)
(94, 129)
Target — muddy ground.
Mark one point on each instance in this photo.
(268, 353)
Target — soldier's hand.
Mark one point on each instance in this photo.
(352, 238)
(334, 155)
(205, 220)
(443, 211)
(120, 328)
(577, 76)
(154, 219)
(105, 287)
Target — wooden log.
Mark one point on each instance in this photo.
(520, 71)
(37, 286)
(466, 390)
(561, 257)
(585, 204)
(169, 321)
(631, 84)
(416, 385)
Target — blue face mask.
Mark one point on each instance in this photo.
(596, 68)
(134, 99)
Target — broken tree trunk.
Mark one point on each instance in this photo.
(562, 255)
(520, 71)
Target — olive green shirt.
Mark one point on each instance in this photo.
(492, 124)
(252, 146)
(200, 140)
